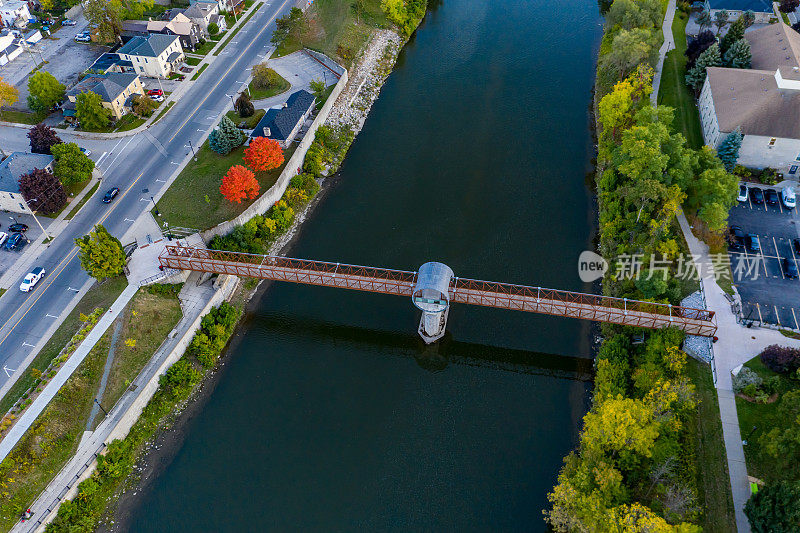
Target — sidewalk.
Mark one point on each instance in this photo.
(667, 45)
(736, 345)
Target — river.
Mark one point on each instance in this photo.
(329, 413)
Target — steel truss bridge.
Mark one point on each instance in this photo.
(469, 291)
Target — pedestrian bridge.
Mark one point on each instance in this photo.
(434, 287)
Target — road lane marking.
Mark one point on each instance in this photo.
(777, 316)
(6, 369)
(26, 344)
(50, 316)
(796, 326)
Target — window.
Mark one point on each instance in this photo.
(11, 195)
(772, 142)
(22, 207)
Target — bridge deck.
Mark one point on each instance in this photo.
(475, 292)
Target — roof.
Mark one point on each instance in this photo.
(109, 86)
(282, 122)
(135, 26)
(173, 56)
(199, 10)
(776, 46)
(151, 46)
(19, 164)
(180, 25)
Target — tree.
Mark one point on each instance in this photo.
(106, 17)
(143, 105)
(133, 9)
(42, 138)
(697, 75)
(699, 45)
(293, 25)
(704, 20)
(8, 94)
(238, 184)
(225, 137)
(630, 14)
(787, 6)
(775, 508)
(721, 19)
(728, 151)
(318, 88)
(263, 154)
(734, 33)
(213, 29)
(630, 48)
(749, 18)
(102, 255)
(90, 111)
(264, 77)
(738, 55)
(72, 165)
(244, 106)
(780, 359)
(42, 191)
(45, 91)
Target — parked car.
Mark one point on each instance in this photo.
(788, 197)
(3, 238)
(742, 193)
(31, 279)
(736, 239)
(756, 195)
(789, 268)
(18, 228)
(86, 152)
(753, 244)
(771, 196)
(83, 37)
(69, 22)
(110, 195)
(16, 242)
(155, 92)
(157, 98)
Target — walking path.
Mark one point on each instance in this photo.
(668, 44)
(112, 350)
(736, 345)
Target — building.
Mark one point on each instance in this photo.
(204, 13)
(115, 89)
(9, 49)
(15, 14)
(155, 56)
(12, 169)
(763, 101)
(109, 62)
(187, 30)
(222, 5)
(283, 123)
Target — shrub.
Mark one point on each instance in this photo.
(264, 77)
(213, 28)
(781, 359)
(745, 379)
(143, 105)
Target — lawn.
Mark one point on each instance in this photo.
(193, 61)
(53, 438)
(337, 30)
(278, 88)
(251, 121)
(204, 48)
(129, 122)
(764, 417)
(194, 201)
(21, 117)
(713, 482)
(673, 90)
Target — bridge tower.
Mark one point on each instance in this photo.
(431, 295)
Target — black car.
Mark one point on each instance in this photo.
(789, 268)
(18, 227)
(16, 242)
(753, 244)
(772, 197)
(756, 195)
(736, 239)
(796, 245)
(110, 195)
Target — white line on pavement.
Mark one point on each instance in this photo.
(100, 159)
(6, 370)
(50, 316)
(26, 344)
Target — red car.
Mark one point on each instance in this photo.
(155, 92)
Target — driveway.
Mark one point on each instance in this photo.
(299, 69)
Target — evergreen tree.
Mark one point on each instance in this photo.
(775, 508)
(749, 18)
(244, 106)
(728, 151)
(704, 20)
(102, 255)
(735, 32)
(697, 75)
(225, 137)
(738, 55)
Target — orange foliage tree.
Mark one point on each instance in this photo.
(238, 184)
(263, 154)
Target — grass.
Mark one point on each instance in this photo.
(100, 295)
(194, 201)
(55, 435)
(163, 111)
(205, 48)
(785, 18)
(763, 417)
(2, 291)
(259, 94)
(129, 122)
(713, 482)
(673, 90)
(336, 30)
(193, 61)
(251, 121)
(197, 74)
(85, 199)
(233, 34)
(20, 117)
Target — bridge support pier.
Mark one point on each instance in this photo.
(432, 325)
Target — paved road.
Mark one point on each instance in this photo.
(139, 166)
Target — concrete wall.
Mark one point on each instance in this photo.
(275, 192)
(757, 152)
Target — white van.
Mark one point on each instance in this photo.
(788, 197)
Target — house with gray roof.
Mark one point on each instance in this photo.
(12, 168)
(116, 90)
(283, 123)
(156, 55)
(763, 101)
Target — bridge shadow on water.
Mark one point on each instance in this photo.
(434, 357)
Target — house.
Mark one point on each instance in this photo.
(764, 101)
(32, 37)
(12, 169)
(156, 55)
(115, 89)
(283, 123)
(9, 50)
(134, 28)
(187, 30)
(110, 62)
(15, 13)
(223, 5)
(204, 13)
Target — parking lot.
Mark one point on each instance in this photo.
(768, 295)
(8, 259)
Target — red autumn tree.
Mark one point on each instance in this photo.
(238, 184)
(263, 154)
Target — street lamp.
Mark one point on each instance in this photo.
(33, 214)
(233, 102)
(100, 406)
(192, 148)
(749, 435)
(155, 207)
